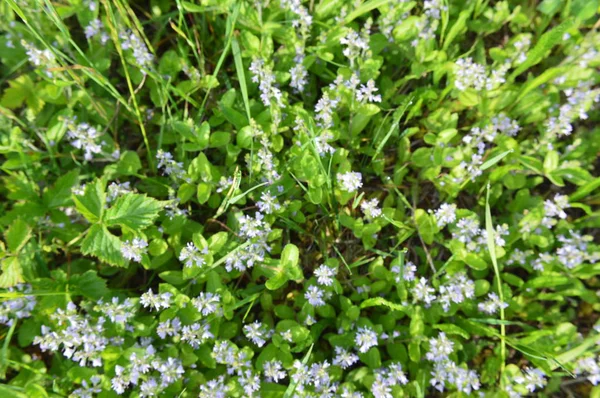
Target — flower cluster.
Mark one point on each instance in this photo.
(254, 231)
(134, 249)
(264, 76)
(445, 371)
(85, 137)
(19, 305)
(170, 166)
(131, 41)
(191, 256)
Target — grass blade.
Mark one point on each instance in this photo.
(491, 244)
(490, 162)
(239, 68)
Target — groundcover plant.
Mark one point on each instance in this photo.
(299, 198)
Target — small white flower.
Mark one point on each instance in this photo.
(133, 250)
(206, 303)
(325, 275)
(492, 305)
(422, 292)
(268, 203)
(350, 181)
(130, 41)
(446, 214)
(314, 295)
(365, 339)
(370, 208)
(287, 335)
(344, 358)
(170, 166)
(440, 348)
(191, 256)
(532, 379)
(298, 74)
(256, 333)
(273, 371)
(324, 110)
(469, 74)
(83, 136)
(158, 301)
(367, 93)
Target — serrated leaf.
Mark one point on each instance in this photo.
(19, 89)
(380, 301)
(129, 163)
(12, 273)
(90, 285)
(543, 46)
(134, 211)
(60, 194)
(91, 203)
(100, 243)
(17, 235)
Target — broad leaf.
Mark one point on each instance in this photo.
(60, 194)
(100, 243)
(133, 211)
(17, 235)
(91, 203)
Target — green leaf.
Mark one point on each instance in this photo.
(17, 235)
(7, 391)
(287, 268)
(475, 262)
(239, 68)
(490, 162)
(371, 358)
(365, 8)
(91, 203)
(543, 46)
(491, 245)
(19, 89)
(129, 164)
(548, 281)
(203, 192)
(60, 194)
(532, 164)
(289, 262)
(417, 323)
(541, 79)
(551, 161)
(200, 169)
(585, 190)
(100, 243)
(550, 7)
(380, 301)
(452, 329)
(459, 27)
(425, 225)
(12, 273)
(571, 355)
(134, 211)
(276, 281)
(90, 285)
(172, 277)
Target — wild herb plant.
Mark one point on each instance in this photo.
(288, 198)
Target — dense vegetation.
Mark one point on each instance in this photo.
(288, 198)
